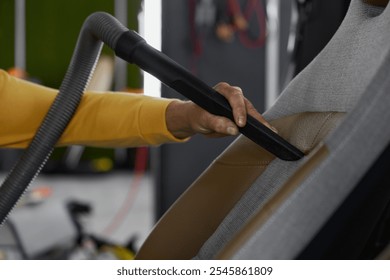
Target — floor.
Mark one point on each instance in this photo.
(121, 203)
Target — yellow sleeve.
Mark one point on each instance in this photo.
(102, 119)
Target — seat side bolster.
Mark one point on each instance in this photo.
(258, 219)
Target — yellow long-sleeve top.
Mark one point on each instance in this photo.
(102, 119)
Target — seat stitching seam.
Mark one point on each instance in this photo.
(328, 117)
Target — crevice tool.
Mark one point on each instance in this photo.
(134, 49)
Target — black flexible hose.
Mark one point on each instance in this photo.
(97, 28)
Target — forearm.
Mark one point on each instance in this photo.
(102, 119)
(119, 120)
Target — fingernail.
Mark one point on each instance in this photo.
(241, 121)
(232, 130)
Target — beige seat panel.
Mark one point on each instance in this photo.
(199, 211)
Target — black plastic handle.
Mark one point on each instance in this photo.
(134, 49)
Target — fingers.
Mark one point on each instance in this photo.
(214, 126)
(185, 119)
(236, 100)
(254, 113)
(240, 105)
(222, 126)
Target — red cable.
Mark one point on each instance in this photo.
(253, 7)
(141, 160)
(256, 8)
(234, 8)
(195, 38)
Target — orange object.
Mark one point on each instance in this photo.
(17, 72)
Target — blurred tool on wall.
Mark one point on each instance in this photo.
(229, 20)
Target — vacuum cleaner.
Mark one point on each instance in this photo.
(101, 28)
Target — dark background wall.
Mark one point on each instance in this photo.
(319, 20)
(180, 165)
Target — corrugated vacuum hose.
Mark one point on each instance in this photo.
(97, 28)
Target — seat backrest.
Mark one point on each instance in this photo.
(306, 201)
(275, 207)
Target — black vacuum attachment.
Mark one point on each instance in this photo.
(134, 49)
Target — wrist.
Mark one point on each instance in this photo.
(177, 119)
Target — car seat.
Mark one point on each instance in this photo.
(250, 205)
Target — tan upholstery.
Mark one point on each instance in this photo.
(199, 211)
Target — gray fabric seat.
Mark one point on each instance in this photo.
(288, 202)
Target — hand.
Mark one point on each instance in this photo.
(185, 118)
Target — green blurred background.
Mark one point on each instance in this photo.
(52, 28)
